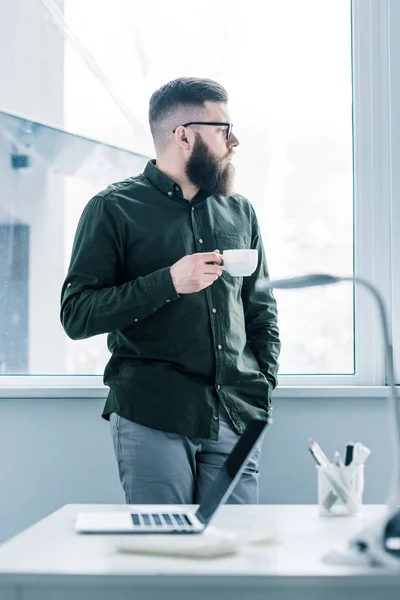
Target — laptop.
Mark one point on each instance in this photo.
(140, 520)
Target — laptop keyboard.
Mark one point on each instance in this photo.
(161, 520)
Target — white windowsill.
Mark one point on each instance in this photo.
(99, 392)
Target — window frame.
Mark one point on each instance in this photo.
(374, 41)
(394, 91)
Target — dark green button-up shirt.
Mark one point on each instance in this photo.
(174, 357)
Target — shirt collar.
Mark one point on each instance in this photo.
(161, 181)
(169, 187)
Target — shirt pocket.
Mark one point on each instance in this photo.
(231, 241)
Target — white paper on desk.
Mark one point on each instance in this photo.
(211, 544)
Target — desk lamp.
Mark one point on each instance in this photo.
(380, 542)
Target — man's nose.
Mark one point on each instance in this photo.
(233, 141)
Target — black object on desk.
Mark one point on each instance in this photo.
(349, 454)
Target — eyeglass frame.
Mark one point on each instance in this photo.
(215, 124)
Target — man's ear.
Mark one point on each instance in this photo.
(182, 138)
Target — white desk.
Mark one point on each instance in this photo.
(48, 561)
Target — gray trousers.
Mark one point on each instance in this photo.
(156, 467)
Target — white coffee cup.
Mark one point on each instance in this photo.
(240, 263)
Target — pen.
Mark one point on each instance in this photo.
(360, 454)
(314, 457)
(318, 453)
(331, 497)
(338, 459)
(349, 454)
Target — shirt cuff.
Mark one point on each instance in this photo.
(160, 288)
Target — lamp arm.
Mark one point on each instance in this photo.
(393, 500)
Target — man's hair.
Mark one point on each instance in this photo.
(182, 97)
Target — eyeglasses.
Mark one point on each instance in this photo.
(228, 126)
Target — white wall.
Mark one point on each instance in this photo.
(58, 451)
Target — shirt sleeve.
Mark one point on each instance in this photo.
(94, 297)
(260, 313)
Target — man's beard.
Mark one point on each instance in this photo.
(203, 169)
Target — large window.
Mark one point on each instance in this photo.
(299, 77)
(292, 111)
(394, 196)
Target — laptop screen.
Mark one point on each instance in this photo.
(230, 473)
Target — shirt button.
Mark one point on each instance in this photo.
(168, 300)
(200, 241)
(176, 188)
(136, 320)
(169, 193)
(218, 387)
(69, 285)
(192, 208)
(214, 310)
(219, 347)
(215, 418)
